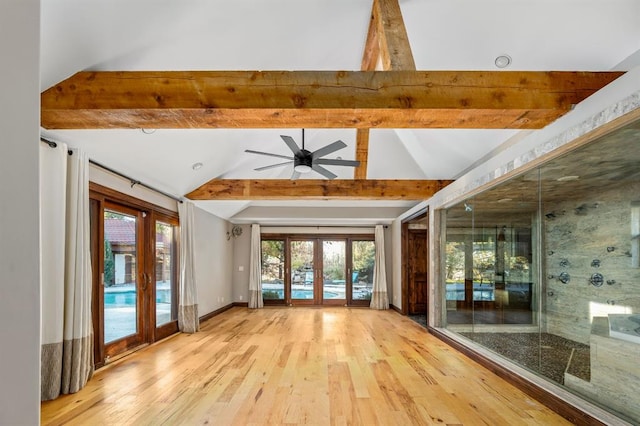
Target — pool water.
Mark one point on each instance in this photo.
(128, 298)
(303, 294)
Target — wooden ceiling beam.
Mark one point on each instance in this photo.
(371, 52)
(317, 189)
(316, 99)
(395, 49)
(362, 153)
(387, 38)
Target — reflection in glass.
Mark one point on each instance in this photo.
(510, 251)
(120, 287)
(272, 269)
(302, 271)
(333, 269)
(363, 255)
(164, 273)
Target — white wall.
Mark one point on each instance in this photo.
(214, 260)
(105, 178)
(241, 258)
(19, 213)
(396, 264)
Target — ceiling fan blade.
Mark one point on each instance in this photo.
(293, 146)
(324, 172)
(332, 147)
(268, 153)
(295, 175)
(336, 162)
(273, 166)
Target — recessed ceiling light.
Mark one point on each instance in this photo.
(196, 166)
(567, 178)
(505, 200)
(148, 131)
(503, 61)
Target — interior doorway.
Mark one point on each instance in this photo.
(415, 261)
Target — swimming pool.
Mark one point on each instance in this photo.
(298, 294)
(128, 297)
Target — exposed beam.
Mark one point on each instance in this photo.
(316, 99)
(392, 34)
(339, 189)
(362, 153)
(372, 46)
(387, 37)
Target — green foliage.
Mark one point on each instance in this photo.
(364, 258)
(109, 265)
(270, 294)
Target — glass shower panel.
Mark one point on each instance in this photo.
(553, 260)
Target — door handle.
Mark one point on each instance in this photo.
(145, 281)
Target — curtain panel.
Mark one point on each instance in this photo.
(255, 269)
(66, 323)
(188, 320)
(379, 298)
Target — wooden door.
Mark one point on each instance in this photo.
(417, 271)
(318, 271)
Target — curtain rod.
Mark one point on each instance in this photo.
(133, 182)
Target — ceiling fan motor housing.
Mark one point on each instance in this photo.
(303, 158)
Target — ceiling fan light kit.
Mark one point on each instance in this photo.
(305, 161)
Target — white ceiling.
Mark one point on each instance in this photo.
(589, 35)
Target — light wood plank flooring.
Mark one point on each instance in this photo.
(320, 366)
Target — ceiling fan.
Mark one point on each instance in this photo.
(304, 161)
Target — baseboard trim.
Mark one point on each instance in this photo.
(216, 312)
(395, 308)
(241, 304)
(555, 403)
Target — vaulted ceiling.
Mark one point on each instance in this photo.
(203, 82)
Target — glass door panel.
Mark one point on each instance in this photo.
(302, 270)
(120, 282)
(334, 271)
(273, 270)
(165, 271)
(363, 257)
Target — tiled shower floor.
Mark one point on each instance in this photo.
(546, 354)
(543, 353)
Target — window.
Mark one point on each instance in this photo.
(317, 270)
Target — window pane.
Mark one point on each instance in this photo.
(363, 258)
(272, 270)
(455, 267)
(120, 296)
(333, 269)
(164, 268)
(302, 269)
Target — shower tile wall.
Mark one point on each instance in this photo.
(577, 232)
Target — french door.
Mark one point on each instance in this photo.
(134, 260)
(318, 271)
(125, 280)
(304, 270)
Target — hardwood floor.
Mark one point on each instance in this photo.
(299, 365)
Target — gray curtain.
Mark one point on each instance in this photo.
(379, 298)
(66, 329)
(255, 270)
(188, 320)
